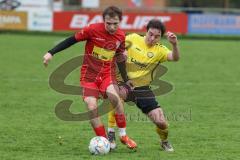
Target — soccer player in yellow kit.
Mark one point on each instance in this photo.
(144, 54)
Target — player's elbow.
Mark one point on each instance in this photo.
(173, 57)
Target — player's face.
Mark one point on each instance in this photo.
(111, 23)
(153, 36)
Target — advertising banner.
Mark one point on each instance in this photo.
(11, 20)
(40, 21)
(131, 22)
(214, 24)
(34, 5)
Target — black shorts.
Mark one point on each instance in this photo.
(144, 98)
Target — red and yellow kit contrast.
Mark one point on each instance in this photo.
(98, 68)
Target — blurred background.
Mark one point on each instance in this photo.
(203, 109)
(180, 16)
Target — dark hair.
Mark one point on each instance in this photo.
(157, 24)
(112, 11)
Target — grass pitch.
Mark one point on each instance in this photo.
(203, 109)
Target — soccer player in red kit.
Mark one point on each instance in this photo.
(104, 46)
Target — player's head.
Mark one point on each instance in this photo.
(112, 16)
(155, 30)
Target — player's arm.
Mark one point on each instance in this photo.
(59, 47)
(121, 63)
(79, 36)
(174, 55)
(121, 58)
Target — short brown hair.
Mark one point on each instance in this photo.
(112, 11)
(157, 24)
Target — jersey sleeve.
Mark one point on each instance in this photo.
(163, 51)
(129, 40)
(83, 34)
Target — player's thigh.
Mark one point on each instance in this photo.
(145, 99)
(109, 87)
(90, 89)
(112, 91)
(115, 99)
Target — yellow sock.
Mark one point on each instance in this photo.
(111, 118)
(163, 134)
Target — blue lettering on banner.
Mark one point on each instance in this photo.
(213, 24)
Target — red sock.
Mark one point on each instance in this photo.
(120, 120)
(100, 131)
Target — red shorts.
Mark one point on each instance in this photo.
(96, 87)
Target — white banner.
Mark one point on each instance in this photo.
(34, 5)
(40, 21)
(90, 3)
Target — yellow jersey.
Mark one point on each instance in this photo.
(142, 60)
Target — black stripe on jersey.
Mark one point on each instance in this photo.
(138, 49)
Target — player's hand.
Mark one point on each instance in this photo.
(46, 58)
(130, 84)
(172, 38)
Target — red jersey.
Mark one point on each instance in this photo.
(100, 50)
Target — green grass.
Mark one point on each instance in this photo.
(203, 109)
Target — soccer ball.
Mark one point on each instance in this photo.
(99, 145)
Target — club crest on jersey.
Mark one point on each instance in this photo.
(150, 54)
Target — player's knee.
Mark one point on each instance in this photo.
(91, 103)
(114, 99)
(162, 124)
(157, 116)
(92, 107)
(113, 96)
(93, 111)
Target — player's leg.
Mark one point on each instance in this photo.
(111, 119)
(94, 118)
(112, 93)
(157, 117)
(124, 93)
(146, 101)
(111, 126)
(90, 97)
